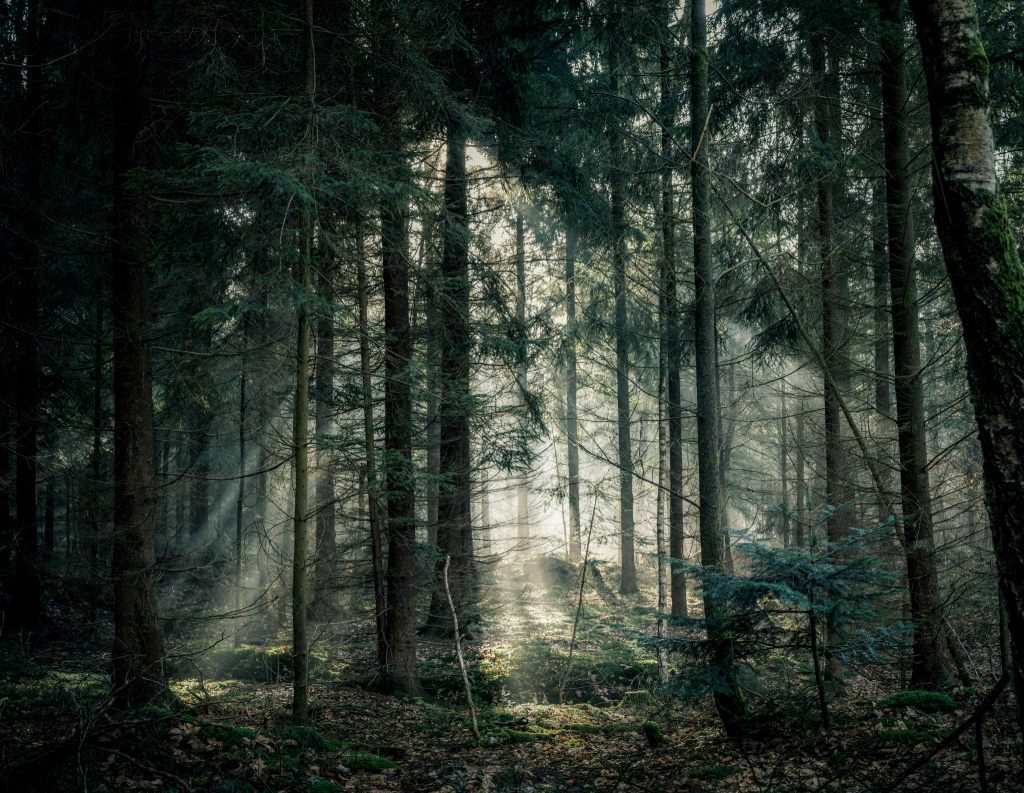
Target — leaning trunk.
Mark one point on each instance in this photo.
(987, 278)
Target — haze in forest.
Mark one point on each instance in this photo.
(553, 395)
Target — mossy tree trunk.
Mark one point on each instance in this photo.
(987, 278)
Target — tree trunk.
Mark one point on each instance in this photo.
(987, 277)
(728, 697)
(837, 522)
(240, 500)
(522, 375)
(326, 547)
(399, 671)
(571, 417)
(784, 465)
(617, 187)
(300, 427)
(454, 526)
(137, 658)
(370, 444)
(48, 517)
(929, 667)
(27, 603)
(676, 531)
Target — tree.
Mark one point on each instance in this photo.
(616, 188)
(987, 278)
(929, 665)
(138, 652)
(728, 699)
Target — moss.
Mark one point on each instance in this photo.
(321, 785)
(613, 728)
(523, 736)
(652, 732)
(905, 737)
(366, 761)
(925, 701)
(228, 734)
(713, 772)
(307, 738)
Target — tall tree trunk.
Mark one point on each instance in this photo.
(617, 188)
(27, 603)
(784, 464)
(96, 459)
(728, 697)
(454, 527)
(930, 663)
(370, 446)
(6, 436)
(326, 546)
(300, 427)
(48, 516)
(836, 492)
(673, 331)
(987, 277)
(243, 408)
(799, 537)
(137, 658)
(522, 372)
(399, 671)
(571, 416)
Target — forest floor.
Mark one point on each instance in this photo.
(230, 731)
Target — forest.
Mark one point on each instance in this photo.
(549, 395)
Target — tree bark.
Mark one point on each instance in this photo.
(728, 697)
(617, 187)
(399, 673)
(571, 417)
(987, 278)
(137, 658)
(837, 522)
(454, 526)
(673, 331)
(929, 668)
(522, 374)
(326, 546)
(27, 589)
(370, 444)
(300, 426)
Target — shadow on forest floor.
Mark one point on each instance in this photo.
(616, 731)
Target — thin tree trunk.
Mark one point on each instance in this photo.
(571, 417)
(673, 330)
(137, 658)
(240, 501)
(784, 465)
(300, 427)
(399, 671)
(728, 699)
(370, 443)
(987, 278)
(522, 373)
(326, 546)
(454, 527)
(929, 667)
(48, 517)
(836, 492)
(27, 602)
(617, 187)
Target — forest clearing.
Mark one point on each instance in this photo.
(462, 395)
